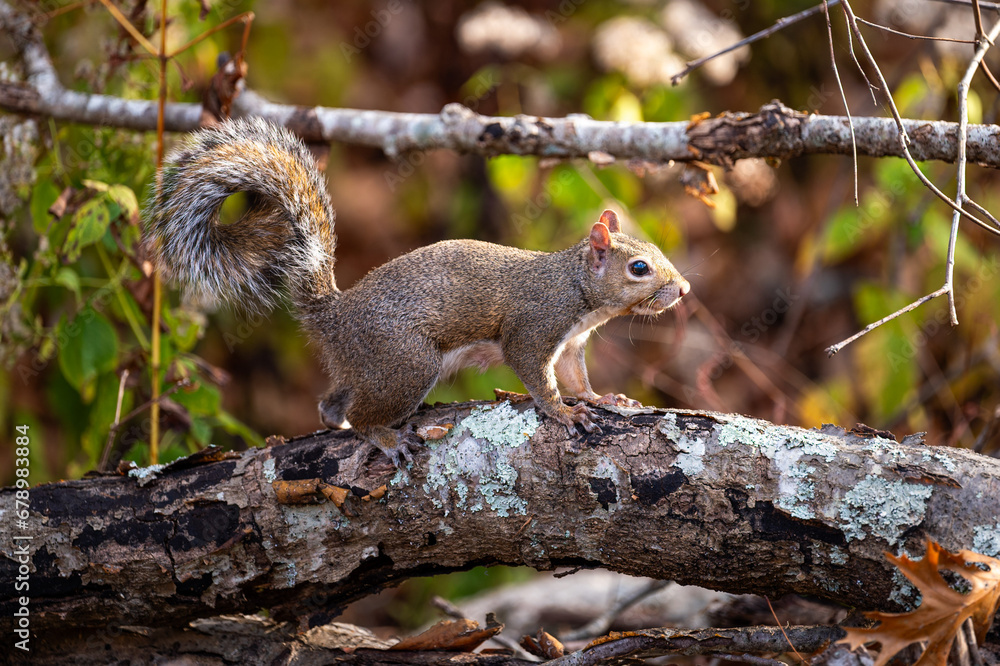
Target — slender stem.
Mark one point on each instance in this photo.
(114, 426)
(843, 97)
(246, 17)
(154, 412)
(904, 139)
(984, 42)
(908, 35)
(833, 349)
(757, 36)
(129, 28)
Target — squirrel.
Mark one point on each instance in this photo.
(387, 340)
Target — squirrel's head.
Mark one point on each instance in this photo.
(630, 273)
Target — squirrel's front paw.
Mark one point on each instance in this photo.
(618, 400)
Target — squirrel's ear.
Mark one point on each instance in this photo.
(610, 220)
(600, 242)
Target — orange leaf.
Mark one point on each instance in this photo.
(942, 610)
(458, 635)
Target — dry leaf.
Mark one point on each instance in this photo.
(452, 635)
(942, 610)
(544, 645)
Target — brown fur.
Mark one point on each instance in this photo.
(386, 341)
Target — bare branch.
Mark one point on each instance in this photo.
(843, 97)
(983, 44)
(780, 24)
(833, 349)
(908, 35)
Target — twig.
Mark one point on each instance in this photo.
(983, 44)
(775, 616)
(854, 56)
(183, 383)
(960, 198)
(908, 35)
(833, 349)
(988, 5)
(904, 138)
(843, 97)
(600, 624)
(970, 639)
(757, 36)
(114, 426)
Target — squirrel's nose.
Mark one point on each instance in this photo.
(683, 285)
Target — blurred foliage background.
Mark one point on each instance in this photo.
(781, 267)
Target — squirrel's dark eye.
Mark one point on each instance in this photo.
(639, 268)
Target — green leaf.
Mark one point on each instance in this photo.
(68, 278)
(203, 400)
(43, 196)
(201, 432)
(89, 225)
(95, 185)
(126, 200)
(88, 346)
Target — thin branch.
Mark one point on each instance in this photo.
(833, 349)
(600, 624)
(977, 14)
(245, 17)
(904, 138)
(854, 56)
(989, 75)
(183, 383)
(131, 29)
(780, 24)
(968, 3)
(843, 97)
(909, 35)
(114, 427)
(984, 42)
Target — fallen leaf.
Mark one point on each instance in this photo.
(544, 645)
(452, 635)
(942, 609)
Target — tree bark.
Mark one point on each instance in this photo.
(717, 500)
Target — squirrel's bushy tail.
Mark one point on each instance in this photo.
(286, 233)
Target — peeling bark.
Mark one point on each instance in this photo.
(703, 498)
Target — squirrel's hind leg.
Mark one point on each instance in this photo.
(378, 403)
